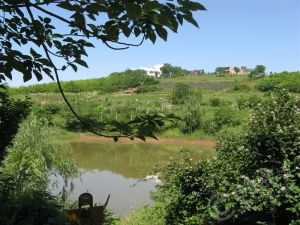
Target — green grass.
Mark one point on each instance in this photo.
(228, 90)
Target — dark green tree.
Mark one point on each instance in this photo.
(173, 71)
(236, 69)
(259, 69)
(258, 72)
(220, 70)
(12, 113)
(181, 92)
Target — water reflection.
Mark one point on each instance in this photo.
(125, 193)
(115, 168)
(132, 160)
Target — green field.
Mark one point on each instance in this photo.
(223, 102)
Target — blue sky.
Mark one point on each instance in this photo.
(232, 32)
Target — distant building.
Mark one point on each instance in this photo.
(244, 70)
(232, 70)
(153, 71)
(195, 73)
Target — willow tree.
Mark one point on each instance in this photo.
(44, 29)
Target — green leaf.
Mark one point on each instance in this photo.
(158, 19)
(191, 20)
(151, 35)
(137, 31)
(179, 18)
(162, 32)
(194, 6)
(152, 6)
(66, 5)
(27, 76)
(81, 62)
(38, 75)
(133, 10)
(79, 19)
(73, 67)
(47, 20)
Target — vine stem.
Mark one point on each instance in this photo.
(59, 83)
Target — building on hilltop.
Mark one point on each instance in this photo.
(232, 70)
(153, 71)
(244, 70)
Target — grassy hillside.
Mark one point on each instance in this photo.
(216, 104)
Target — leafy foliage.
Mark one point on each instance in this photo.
(113, 83)
(180, 93)
(191, 119)
(257, 73)
(35, 155)
(80, 22)
(254, 179)
(33, 207)
(173, 71)
(289, 81)
(12, 113)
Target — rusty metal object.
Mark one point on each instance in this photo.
(87, 214)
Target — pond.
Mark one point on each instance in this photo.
(117, 169)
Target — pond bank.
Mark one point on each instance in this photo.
(202, 143)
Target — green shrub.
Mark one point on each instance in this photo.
(287, 80)
(226, 116)
(240, 87)
(253, 180)
(29, 208)
(248, 102)
(114, 82)
(35, 154)
(191, 116)
(12, 113)
(180, 93)
(145, 216)
(147, 88)
(215, 102)
(266, 85)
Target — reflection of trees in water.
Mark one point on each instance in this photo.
(132, 160)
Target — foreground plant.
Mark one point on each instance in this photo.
(30, 25)
(255, 178)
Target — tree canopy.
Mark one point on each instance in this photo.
(64, 29)
(44, 29)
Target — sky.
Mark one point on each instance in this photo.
(231, 33)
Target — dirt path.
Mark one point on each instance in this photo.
(207, 143)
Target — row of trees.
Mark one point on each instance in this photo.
(113, 83)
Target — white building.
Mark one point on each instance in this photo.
(153, 71)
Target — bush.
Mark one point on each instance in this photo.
(248, 102)
(147, 88)
(266, 85)
(226, 116)
(114, 82)
(35, 155)
(253, 180)
(287, 80)
(240, 87)
(180, 93)
(215, 102)
(12, 113)
(190, 120)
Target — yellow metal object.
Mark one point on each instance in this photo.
(78, 216)
(86, 214)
